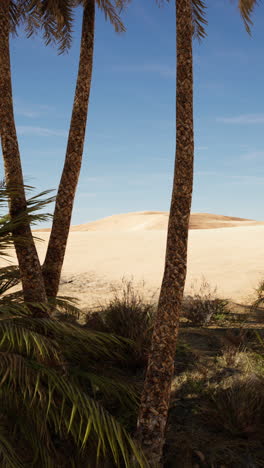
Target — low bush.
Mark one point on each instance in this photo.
(127, 315)
(238, 409)
(201, 307)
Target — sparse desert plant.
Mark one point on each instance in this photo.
(258, 357)
(238, 409)
(257, 306)
(200, 307)
(127, 315)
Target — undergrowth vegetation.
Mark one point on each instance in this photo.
(216, 418)
(203, 307)
(70, 384)
(59, 381)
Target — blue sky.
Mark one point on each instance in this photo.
(129, 148)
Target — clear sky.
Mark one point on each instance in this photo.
(129, 148)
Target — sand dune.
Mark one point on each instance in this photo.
(230, 255)
(158, 220)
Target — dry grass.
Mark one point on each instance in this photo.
(127, 315)
(217, 403)
(201, 307)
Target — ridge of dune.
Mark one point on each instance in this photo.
(158, 220)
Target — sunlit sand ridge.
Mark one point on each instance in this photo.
(228, 251)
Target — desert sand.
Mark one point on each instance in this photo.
(227, 251)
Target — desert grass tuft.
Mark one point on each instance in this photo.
(130, 315)
(202, 306)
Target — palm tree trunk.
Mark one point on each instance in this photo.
(155, 400)
(29, 265)
(64, 203)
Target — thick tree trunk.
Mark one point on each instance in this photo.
(156, 393)
(29, 265)
(64, 203)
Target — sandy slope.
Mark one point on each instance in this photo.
(134, 244)
(156, 220)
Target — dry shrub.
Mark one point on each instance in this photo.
(238, 409)
(200, 307)
(128, 315)
(220, 427)
(257, 305)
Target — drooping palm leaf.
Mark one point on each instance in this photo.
(53, 396)
(246, 8)
(9, 277)
(33, 364)
(56, 18)
(198, 17)
(31, 215)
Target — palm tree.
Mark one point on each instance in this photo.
(56, 380)
(64, 204)
(155, 398)
(57, 27)
(30, 269)
(56, 20)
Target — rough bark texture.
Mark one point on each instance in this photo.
(156, 393)
(64, 203)
(30, 269)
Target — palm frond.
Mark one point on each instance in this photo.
(122, 4)
(8, 226)
(246, 8)
(37, 365)
(51, 387)
(55, 18)
(66, 308)
(8, 456)
(198, 19)
(9, 277)
(110, 13)
(27, 342)
(14, 17)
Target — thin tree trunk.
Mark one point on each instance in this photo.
(29, 265)
(64, 203)
(155, 400)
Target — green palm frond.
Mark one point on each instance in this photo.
(34, 203)
(9, 226)
(27, 342)
(39, 365)
(80, 341)
(107, 385)
(62, 381)
(9, 277)
(8, 456)
(66, 308)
